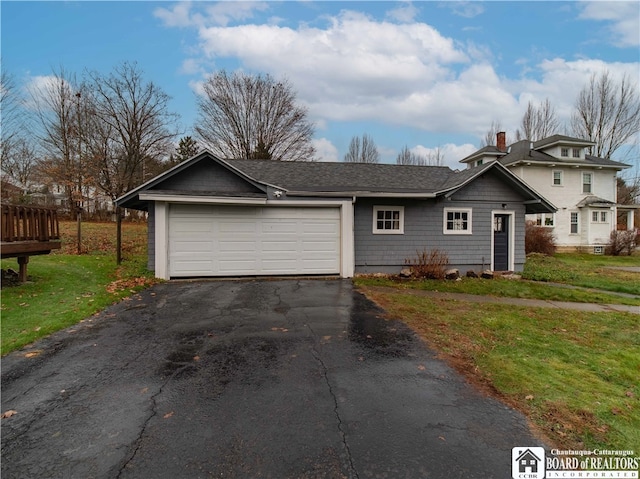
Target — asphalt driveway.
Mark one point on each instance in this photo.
(256, 379)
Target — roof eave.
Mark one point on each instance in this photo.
(363, 194)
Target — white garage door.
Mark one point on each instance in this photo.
(207, 240)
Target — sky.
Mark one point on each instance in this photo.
(425, 75)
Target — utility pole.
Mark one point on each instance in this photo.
(79, 178)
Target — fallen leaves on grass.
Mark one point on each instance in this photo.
(124, 284)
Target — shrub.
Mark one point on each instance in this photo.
(538, 239)
(428, 264)
(621, 242)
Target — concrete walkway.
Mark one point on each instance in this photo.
(529, 303)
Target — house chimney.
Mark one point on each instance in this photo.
(501, 141)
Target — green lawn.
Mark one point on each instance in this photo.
(587, 270)
(574, 374)
(65, 288)
(501, 287)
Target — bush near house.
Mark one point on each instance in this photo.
(538, 239)
(428, 264)
(621, 242)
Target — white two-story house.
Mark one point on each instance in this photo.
(582, 187)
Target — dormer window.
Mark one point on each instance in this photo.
(564, 152)
(479, 162)
(576, 152)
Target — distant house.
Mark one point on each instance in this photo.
(214, 217)
(582, 187)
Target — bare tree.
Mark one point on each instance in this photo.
(538, 122)
(607, 112)
(20, 161)
(10, 119)
(253, 116)
(490, 137)
(132, 123)
(408, 157)
(17, 150)
(132, 126)
(362, 150)
(57, 110)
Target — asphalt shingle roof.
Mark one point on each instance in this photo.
(348, 177)
(522, 151)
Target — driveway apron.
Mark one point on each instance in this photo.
(258, 379)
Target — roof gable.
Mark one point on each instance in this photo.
(319, 179)
(207, 175)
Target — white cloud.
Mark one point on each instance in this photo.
(623, 16)
(356, 68)
(219, 13)
(41, 92)
(562, 80)
(466, 9)
(325, 150)
(191, 66)
(405, 13)
(178, 16)
(222, 13)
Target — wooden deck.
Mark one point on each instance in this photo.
(27, 231)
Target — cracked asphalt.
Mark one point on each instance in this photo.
(256, 379)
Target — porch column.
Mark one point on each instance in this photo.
(630, 220)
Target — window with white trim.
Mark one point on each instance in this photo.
(564, 152)
(457, 221)
(557, 177)
(599, 217)
(574, 222)
(546, 219)
(388, 220)
(587, 182)
(576, 152)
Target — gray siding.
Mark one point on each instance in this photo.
(423, 229)
(208, 176)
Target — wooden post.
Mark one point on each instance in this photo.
(118, 235)
(79, 219)
(22, 270)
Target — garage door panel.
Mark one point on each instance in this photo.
(240, 246)
(229, 267)
(206, 240)
(320, 227)
(239, 226)
(193, 246)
